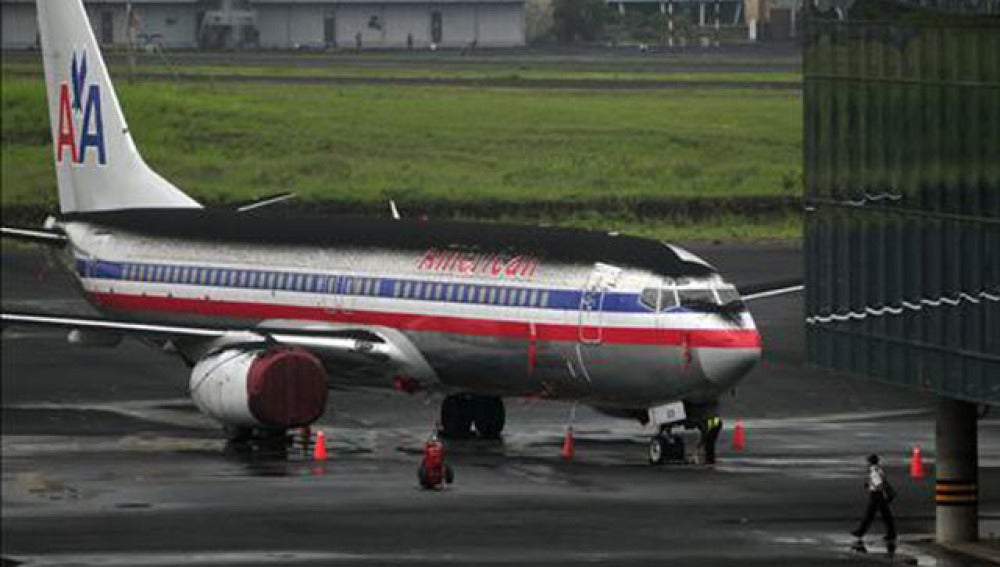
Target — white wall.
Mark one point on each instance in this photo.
(286, 26)
(174, 23)
(20, 28)
(501, 25)
(497, 25)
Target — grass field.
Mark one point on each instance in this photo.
(234, 141)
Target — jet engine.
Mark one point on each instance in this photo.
(273, 388)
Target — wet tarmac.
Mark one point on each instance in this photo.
(106, 462)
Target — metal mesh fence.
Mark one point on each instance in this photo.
(902, 162)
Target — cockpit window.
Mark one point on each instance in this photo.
(696, 297)
(666, 298)
(648, 298)
(727, 294)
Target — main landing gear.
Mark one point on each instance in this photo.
(665, 446)
(461, 412)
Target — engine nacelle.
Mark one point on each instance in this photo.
(274, 388)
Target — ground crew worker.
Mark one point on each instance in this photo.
(880, 493)
(710, 428)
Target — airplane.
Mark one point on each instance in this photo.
(271, 311)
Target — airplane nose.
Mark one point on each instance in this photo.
(724, 367)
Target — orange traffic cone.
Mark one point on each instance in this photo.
(916, 464)
(568, 447)
(319, 448)
(739, 436)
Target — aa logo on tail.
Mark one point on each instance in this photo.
(80, 111)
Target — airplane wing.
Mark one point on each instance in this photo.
(265, 201)
(772, 289)
(374, 348)
(42, 236)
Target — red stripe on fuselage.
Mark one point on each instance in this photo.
(720, 338)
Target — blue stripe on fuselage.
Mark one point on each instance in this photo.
(358, 286)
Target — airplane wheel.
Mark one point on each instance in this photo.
(424, 477)
(657, 450)
(663, 448)
(456, 416)
(489, 416)
(676, 452)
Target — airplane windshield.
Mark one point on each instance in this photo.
(696, 297)
(727, 294)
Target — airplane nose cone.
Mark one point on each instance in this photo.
(724, 366)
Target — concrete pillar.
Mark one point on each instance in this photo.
(957, 468)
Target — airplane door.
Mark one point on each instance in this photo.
(591, 313)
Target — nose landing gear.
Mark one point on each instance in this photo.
(665, 447)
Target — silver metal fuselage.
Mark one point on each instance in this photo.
(498, 324)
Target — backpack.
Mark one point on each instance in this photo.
(888, 491)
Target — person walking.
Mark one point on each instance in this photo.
(880, 494)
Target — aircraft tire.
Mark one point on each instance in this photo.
(666, 448)
(657, 450)
(456, 416)
(489, 416)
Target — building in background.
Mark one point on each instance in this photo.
(287, 24)
(902, 224)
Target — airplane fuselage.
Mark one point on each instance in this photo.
(492, 312)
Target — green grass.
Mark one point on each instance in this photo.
(505, 73)
(236, 141)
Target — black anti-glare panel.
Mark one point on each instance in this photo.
(902, 162)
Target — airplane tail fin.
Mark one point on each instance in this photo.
(97, 164)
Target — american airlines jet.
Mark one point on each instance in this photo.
(271, 312)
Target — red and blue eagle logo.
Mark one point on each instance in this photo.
(80, 111)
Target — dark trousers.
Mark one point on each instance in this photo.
(711, 438)
(876, 501)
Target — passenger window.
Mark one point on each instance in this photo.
(438, 291)
(482, 295)
(493, 295)
(533, 298)
(428, 291)
(418, 290)
(503, 296)
(460, 293)
(406, 289)
(397, 288)
(449, 292)
(309, 282)
(545, 299)
(522, 296)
